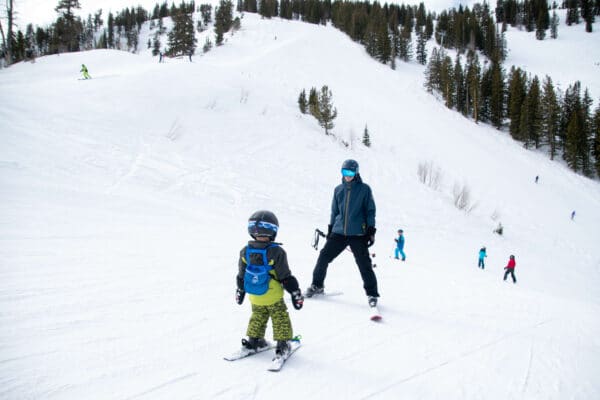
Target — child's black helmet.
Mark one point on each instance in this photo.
(263, 224)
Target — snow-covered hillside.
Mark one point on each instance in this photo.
(124, 206)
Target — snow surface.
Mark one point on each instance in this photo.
(124, 207)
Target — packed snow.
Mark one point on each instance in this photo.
(125, 201)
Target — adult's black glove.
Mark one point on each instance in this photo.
(297, 299)
(239, 295)
(371, 235)
(329, 227)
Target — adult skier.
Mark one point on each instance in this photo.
(352, 223)
(85, 72)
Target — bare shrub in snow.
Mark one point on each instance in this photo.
(462, 198)
(430, 175)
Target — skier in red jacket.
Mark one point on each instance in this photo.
(510, 269)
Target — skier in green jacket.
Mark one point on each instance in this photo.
(85, 72)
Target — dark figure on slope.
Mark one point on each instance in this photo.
(264, 273)
(510, 269)
(352, 223)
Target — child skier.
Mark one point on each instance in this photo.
(400, 245)
(482, 255)
(85, 72)
(510, 269)
(264, 273)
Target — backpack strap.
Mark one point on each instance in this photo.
(250, 250)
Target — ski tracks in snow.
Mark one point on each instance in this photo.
(461, 356)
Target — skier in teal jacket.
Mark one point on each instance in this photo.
(400, 245)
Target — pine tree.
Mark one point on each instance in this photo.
(460, 91)
(384, 44)
(447, 81)
(542, 21)
(432, 72)
(473, 85)
(572, 12)
(366, 140)
(182, 39)
(421, 47)
(572, 149)
(586, 135)
(571, 104)
(223, 20)
(517, 90)
(497, 95)
(405, 45)
(554, 25)
(327, 113)
(533, 100)
(207, 45)
(550, 116)
(68, 27)
(429, 27)
(596, 142)
(587, 13)
(302, 102)
(313, 103)
(111, 31)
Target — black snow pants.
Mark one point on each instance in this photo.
(333, 247)
(510, 271)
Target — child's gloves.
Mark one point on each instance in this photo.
(239, 295)
(297, 299)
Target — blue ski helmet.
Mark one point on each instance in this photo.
(263, 224)
(349, 168)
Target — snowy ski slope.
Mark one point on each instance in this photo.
(124, 206)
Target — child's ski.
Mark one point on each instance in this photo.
(279, 360)
(245, 352)
(374, 314)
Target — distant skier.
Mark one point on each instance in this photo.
(537, 178)
(190, 54)
(85, 72)
(160, 57)
(573, 215)
(352, 223)
(482, 255)
(400, 245)
(264, 272)
(499, 230)
(510, 269)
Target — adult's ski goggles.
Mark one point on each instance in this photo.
(348, 172)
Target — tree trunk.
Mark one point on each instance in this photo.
(9, 17)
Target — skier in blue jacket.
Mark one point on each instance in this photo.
(400, 245)
(352, 223)
(482, 255)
